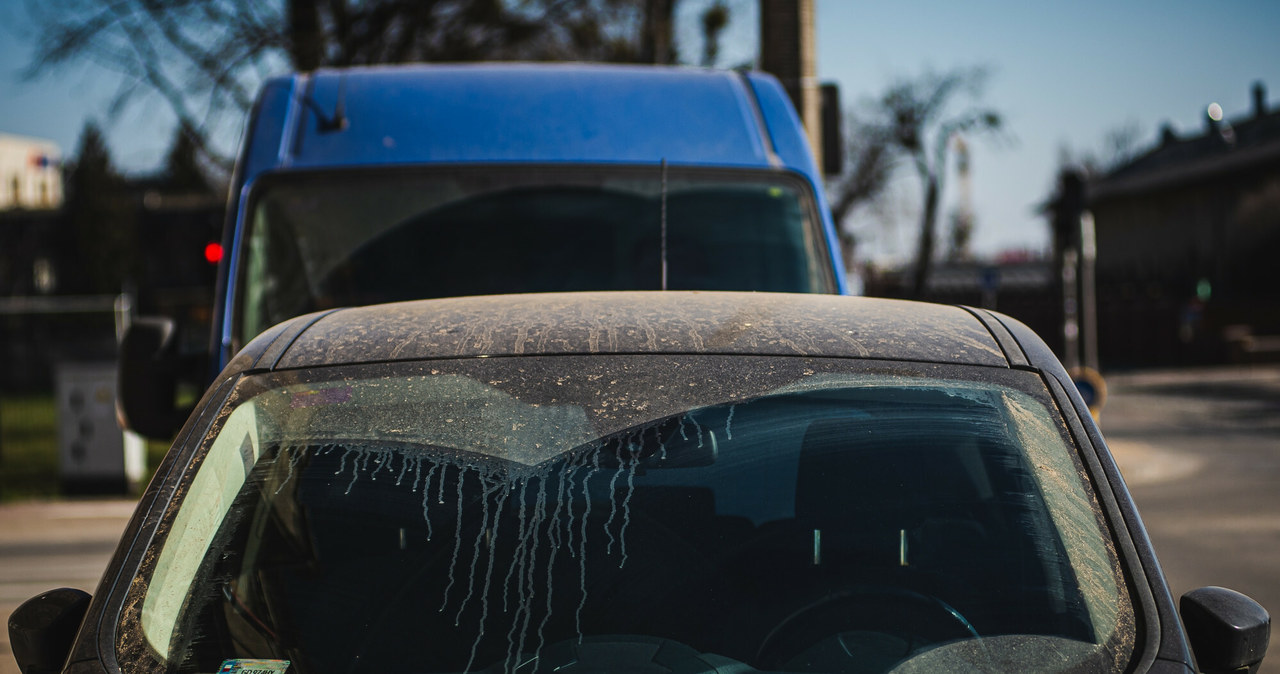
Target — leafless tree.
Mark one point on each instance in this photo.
(920, 116)
(869, 165)
(915, 119)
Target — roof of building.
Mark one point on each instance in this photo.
(1222, 149)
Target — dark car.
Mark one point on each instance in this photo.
(639, 482)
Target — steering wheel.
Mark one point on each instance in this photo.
(896, 621)
(619, 653)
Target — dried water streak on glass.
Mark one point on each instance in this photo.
(572, 467)
(582, 540)
(426, 495)
(457, 533)
(404, 468)
(361, 463)
(379, 465)
(537, 523)
(355, 454)
(504, 490)
(553, 535)
(540, 515)
(488, 485)
(527, 529)
(342, 465)
(295, 455)
(626, 501)
(520, 533)
(728, 424)
(613, 502)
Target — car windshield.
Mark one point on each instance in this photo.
(320, 240)
(620, 513)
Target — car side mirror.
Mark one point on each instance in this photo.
(1229, 632)
(43, 628)
(147, 381)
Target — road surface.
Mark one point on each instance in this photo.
(1201, 453)
(49, 545)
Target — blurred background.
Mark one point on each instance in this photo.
(1108, 173)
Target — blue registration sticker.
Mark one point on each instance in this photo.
(253, 667)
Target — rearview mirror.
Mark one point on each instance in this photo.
(1229, 632)
(42, 629)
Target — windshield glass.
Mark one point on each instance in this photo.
(316, 241)
(597, 513)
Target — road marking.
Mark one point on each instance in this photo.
(1144, 464)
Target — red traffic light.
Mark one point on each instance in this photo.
(213, 252)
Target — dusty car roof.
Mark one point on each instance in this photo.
(633, 323)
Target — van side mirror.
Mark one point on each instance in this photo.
(1229, 632)
(832, 133)
(147, 380)
(43, 629)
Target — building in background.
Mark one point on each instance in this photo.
(1188, 239)
(30, 173)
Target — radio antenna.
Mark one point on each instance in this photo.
(663, 218)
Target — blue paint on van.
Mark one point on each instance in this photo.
(441, 117)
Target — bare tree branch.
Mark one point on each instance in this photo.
(914, 119)
(206, 58)
(871, 161)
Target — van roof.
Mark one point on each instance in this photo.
(538, 113)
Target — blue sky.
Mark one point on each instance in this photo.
(1063, 75)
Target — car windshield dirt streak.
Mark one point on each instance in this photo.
(496, 486)
(535, 526)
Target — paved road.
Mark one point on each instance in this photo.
(1201, 453)
(48, 545)
(1200, 450)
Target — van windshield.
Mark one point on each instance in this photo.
(322, 240)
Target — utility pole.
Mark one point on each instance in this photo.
(788, 51)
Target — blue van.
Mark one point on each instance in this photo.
(370, 185)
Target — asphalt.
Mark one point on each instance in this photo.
(47, 545)
(1144, 462)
